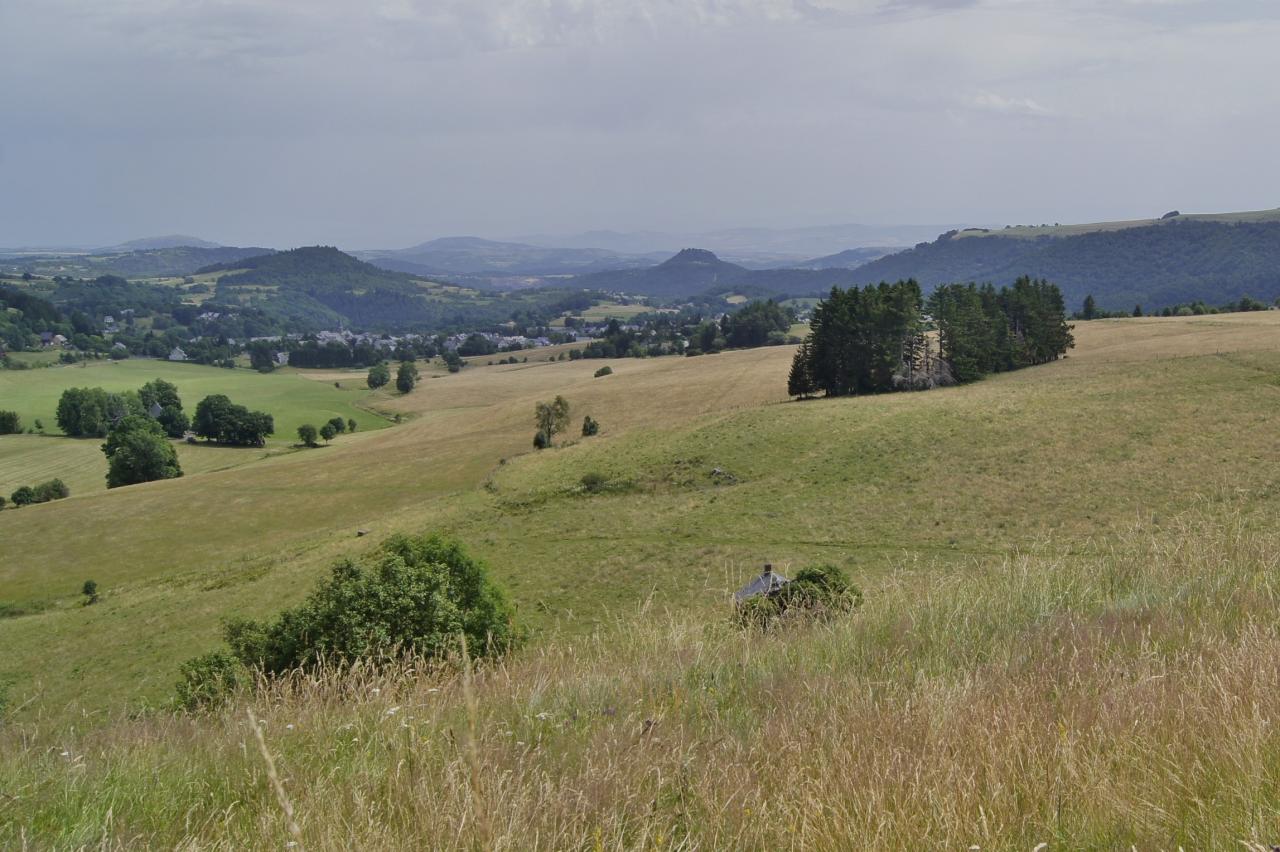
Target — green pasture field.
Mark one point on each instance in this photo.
(1067, 638)
(288, 395)
(1144, 420)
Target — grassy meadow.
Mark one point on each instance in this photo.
(1068, 635)
(292, 397)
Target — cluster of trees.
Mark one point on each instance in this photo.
(92, 412)
(218, 419)
(27, 495)
(1089, 309)
(307, 433)
(10, 423)
(876, 339)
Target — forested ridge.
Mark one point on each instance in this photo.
(1178, 261)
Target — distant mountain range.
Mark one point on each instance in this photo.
(752, 247)
(1178, 258)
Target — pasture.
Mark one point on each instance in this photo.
(288, 395)
(1068, 570)
(1145, 419)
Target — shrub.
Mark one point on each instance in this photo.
(307, 434)
(24, 496)
(413, 595)
(351, 424)
(90, 592)
(207, 680)
(541, 440)
(54, 489)
(594, 483)
(2, 502)
(589, 426)
(10, 423)
(604, 371)
(816, 592)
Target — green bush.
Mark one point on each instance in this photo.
(594, 483)
(54, 489)
(24, 496)
(816, 592)
(604, 371)
(589, 426)
(412, 595)
(207, 680)
(10, 423)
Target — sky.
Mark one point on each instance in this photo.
(383, 123)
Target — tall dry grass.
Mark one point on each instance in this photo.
(1105, 701)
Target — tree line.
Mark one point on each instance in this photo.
(879, 338)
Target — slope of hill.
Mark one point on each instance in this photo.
(475, 256)
(143, 263)
(1178, 260)
(1066, 570)
(319, 287)
(847, 259)
(696, 272)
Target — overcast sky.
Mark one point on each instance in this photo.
(382, 123)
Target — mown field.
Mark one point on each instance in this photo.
(1068, 634)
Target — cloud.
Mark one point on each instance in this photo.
(991, 102)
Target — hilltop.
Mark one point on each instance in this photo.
(169, 241)
(1156, 263)
(697, 272)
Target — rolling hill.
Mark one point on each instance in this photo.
(698, 272)
(1155, 263)
(163, 262)
(475, 256)
(317, 287)
(1066, 570)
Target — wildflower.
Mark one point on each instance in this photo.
(542, 717)
(394, 710)
(289, 727)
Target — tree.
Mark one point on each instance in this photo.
(163, 395)
(1090, 308)
(351, 424)
(1137, 310)
(406, 376)
(328, 432)
(339, 425)
(262, 356)
(137, 451)
(800, 381)
(90, 592)
(10, 423)
(379, 375)
(550, 418)
(307, 434)
(24, 496)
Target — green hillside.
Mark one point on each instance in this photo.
(1067, 569)
(141, 263)
(1178, 260)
